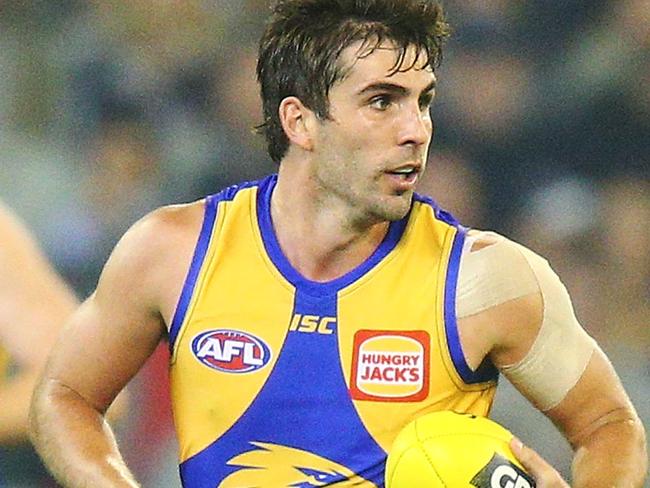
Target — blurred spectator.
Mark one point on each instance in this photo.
(624, 303)
(454, 185)
(150, 447)
(111, 108)
(34, 302)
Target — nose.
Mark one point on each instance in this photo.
(416, 127)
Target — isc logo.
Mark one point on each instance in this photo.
(312, 323)
(230, 351)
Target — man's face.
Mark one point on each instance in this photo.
(373, 147)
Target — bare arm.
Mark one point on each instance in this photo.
(609, 446)
(596, 415)
(603, 428)
(102, 347)
(34, 302)
(583, 397)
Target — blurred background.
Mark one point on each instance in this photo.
(110, 108)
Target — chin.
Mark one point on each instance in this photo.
(396, 207)
(397, 214)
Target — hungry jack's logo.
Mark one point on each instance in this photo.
(390, 366)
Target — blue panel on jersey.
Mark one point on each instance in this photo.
(303, 418)
(393, 236)
(441, 214)
(486, 371)
(227, 194)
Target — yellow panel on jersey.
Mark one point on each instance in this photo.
(215, 317)
(280, 381)
(394, 319)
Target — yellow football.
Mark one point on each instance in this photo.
(453, 450)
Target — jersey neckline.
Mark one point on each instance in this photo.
(293, 276)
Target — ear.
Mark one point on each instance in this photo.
(296, 120)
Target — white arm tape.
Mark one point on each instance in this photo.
(562, 349)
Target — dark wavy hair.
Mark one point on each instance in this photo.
(303, 40)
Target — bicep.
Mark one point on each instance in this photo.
(535, 338)
(100, 349)
(538, 343)
(110, 336)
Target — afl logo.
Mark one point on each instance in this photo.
(230, 351)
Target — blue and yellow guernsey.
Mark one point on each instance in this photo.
(279, 381)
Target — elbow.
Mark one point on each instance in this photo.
(620, 443)
(643, 447)
(634, 430)
(639, 450)
(51, 405)
(40, 397)
(119, 407)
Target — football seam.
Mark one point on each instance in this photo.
(435, 471)
(426, 455)
(455, 434)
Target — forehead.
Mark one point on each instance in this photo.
(365, 63)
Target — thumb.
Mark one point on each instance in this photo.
(545, 475)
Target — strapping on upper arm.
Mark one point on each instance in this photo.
(491, 274)
(495, 270)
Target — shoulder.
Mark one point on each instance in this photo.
(495, 270)
(481, 239)
(156, 245)
(165, 228)
(501, 257)
(502, 288)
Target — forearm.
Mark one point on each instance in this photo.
(75, 441)
(15, 395)
(613, 455)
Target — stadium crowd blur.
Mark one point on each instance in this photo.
(110, 108)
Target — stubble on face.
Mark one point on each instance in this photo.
(359, 144)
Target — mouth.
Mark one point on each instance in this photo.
(407, 174)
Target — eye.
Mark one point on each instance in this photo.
(380, 102)
(426, 101)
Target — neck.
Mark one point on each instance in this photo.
(322, 238)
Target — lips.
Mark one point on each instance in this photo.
(407, 172)
(404, 177)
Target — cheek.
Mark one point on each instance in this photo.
(354, 147)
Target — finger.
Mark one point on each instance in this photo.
(545, 475)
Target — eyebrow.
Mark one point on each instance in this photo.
(394, 88)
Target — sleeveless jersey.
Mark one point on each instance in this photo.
(279, 381)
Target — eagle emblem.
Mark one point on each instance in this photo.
(277, 466)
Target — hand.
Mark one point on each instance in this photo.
(545, 475)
